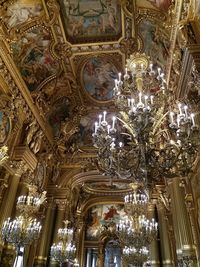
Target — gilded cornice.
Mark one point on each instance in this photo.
(25, 154)
(58, 192)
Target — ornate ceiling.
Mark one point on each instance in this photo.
(62, 58)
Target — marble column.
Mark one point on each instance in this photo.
(189, 200)
(182, 227)
(3, 185)
(80, 236)
(44, 242)
(166, 250)
(154, 249)
(60, 217)
(7, 205)
(100, 261)
(59, 223)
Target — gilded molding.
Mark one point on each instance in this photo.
(23, 153)
(20, 95)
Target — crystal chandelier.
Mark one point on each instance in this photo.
(28, 204)
(136, 257)
(139, 231)
(20, 231)
(61, 252)
(64, 250)
(135, 203)
(152, 136)
(24, 229)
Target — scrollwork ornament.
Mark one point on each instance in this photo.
(128, 45)
(62, 50)
(18, 167)
(3, 154)
(53, 8)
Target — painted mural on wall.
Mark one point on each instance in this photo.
(22, 11)
(91, 18)
(102, 215)
(107, 186)
(156, 43)
(32, 57)
(163, 5)
(59, 113)
(98, 77)
(4, 127)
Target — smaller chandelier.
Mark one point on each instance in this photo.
(20, 231)
(28, 205)
(135, 256)
(65, 234)
(25, 229)
(62, 252)
(135, 203)
(139, 231)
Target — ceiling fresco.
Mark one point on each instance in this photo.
(98, 76)
(91, 21)
(22, 11)
(33, 58)
(69, 52)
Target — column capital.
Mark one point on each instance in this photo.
(19, 167)
(61, 203)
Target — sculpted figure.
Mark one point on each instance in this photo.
(3, 131)
(36, 143)
(31, 131)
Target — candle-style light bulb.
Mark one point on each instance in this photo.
(100, 117)
(95, 127)
(145, 100)
(185, 110)
(180, 109)
(113, 122)
(140, 97)
(104, 116)
(172, 117)
(120, 75)
(192, 118)
(151, 99)
(108, 129)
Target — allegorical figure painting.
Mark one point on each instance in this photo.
(92, 18)
(163, 5)
(22, 11)
(4, 127)
(98, 78)
(102, 215)
(32, 57)
(156, 44)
